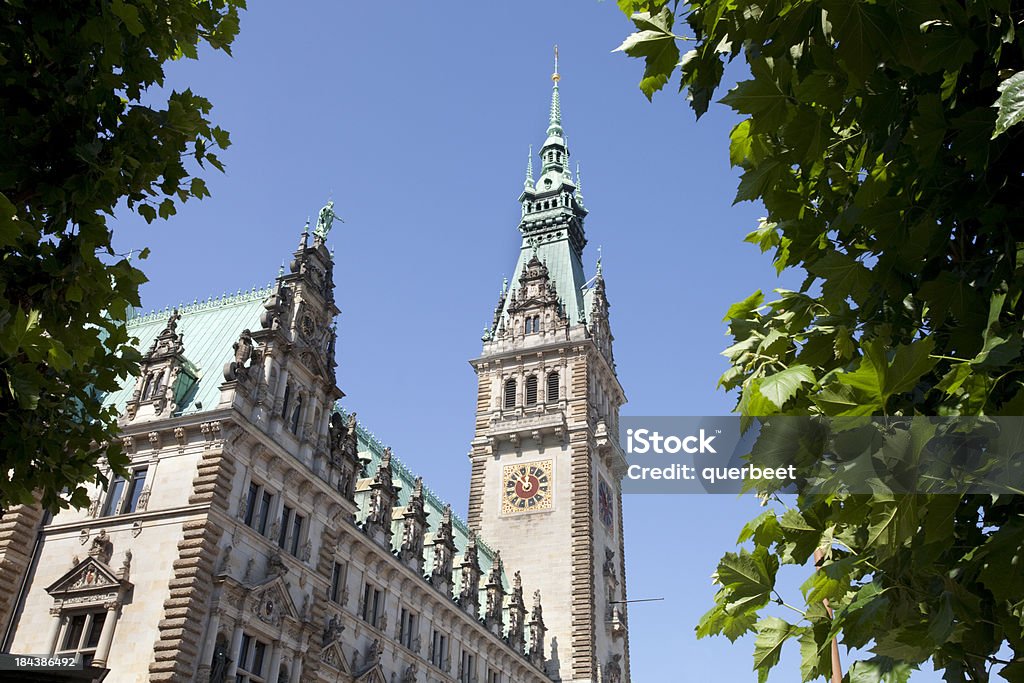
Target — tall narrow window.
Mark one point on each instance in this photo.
(297, 520)
(439, 649)
(296, 414)
(510, 393)
(467, 668)
(552, 387)
(531, 390)
(407, 625)
(337, 578)
(493, 676)
(287, 400)
(114, 492)
(373, 604)
(252, 656)
(286, 520)
(131, 501)
(261, 521)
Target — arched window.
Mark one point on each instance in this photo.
(552, 387)
(296, 413)
(531, 390)
(510, 394)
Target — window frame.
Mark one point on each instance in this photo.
(84, 648)
(373, 595)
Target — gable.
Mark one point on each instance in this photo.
(88, 581)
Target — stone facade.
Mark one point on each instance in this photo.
(263, 535)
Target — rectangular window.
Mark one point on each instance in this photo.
(114, 491)
(373, 604)
(250, 503)
(252, 658)
(82, 635)
(467, 668)
(337, 580)
(297, 520)
(261, 522)
(493, 676)
(286, 520)
(135, 490)
(438, 649)
(407, 625)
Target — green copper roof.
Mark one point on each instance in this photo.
(371, 447)
(564, 267)
(208, 330)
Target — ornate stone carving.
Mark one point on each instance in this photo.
(444, 551)
(102, 548)
(516, 615)
(613, 670)
(414, 525)
(332, 630)
(537, 631)
(244, 349)
(469, 593)
(494, 612)
(143, 501)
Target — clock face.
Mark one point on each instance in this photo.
(605, 506)
(526, 487)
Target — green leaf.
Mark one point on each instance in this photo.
(748, 577)
(656, 43)
(744, 309)
(129, 14)
(1010, 105)
(772, 632)
(782, 386)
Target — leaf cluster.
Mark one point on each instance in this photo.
(77, 139)
(880, 137)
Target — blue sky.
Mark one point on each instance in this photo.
(416, 118)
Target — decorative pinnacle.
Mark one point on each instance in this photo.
(555, 77)
(579, 184)
(599, 256)
(529, 170)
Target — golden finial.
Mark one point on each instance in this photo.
(555, 77)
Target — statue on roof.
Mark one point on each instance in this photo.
(325, 220)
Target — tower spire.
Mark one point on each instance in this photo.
(555, 118)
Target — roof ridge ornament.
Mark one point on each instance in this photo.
(529, 170)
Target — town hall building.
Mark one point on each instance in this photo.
(263, 535)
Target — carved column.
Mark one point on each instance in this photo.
(275, 661)
(107, 634)
(236, 646)
(58, 621)
(295, 673)
(210, 644)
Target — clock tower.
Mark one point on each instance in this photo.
(546, 464)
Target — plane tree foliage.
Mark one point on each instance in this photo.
(883, 139)
(82, 132)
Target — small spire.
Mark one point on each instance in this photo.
(579, 186)
(555, 119)
(529, 170)
(599, 256)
